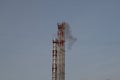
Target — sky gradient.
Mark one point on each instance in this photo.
(28, 26)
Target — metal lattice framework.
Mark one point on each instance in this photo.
(58, 57)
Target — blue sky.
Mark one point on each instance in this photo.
(28, 26)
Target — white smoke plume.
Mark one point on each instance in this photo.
(69, 38)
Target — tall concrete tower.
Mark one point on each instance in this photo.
(58, 68)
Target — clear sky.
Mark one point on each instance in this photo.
(28, 26)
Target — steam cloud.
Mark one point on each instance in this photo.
(70, 39)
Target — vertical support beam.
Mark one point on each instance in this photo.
(61, 53)
(54, 60)
(58, 55)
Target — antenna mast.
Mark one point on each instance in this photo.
(58, 62)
